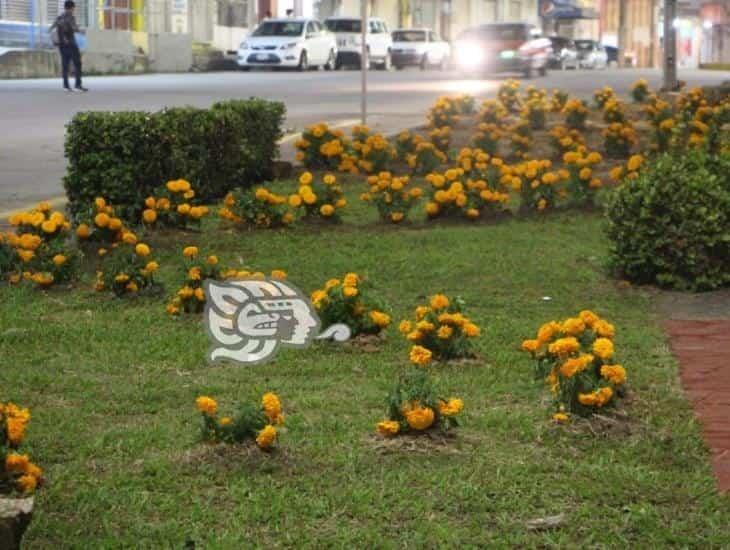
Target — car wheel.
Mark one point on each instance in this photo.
(387, 64)
(303, 62)
(331, 62)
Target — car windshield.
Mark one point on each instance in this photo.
(343, 25)
(498, 32)
(584, 44)
(279, 28)
(409, 36)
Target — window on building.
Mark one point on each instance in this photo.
(233, 13)
(515, 10)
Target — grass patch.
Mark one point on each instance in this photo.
(111, 384)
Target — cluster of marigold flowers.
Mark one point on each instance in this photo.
(258, 207)
(392, 196)
(318, 198)
(576, 357)
(171, 206)
(17, 472)
(129, 268)
(259, 425)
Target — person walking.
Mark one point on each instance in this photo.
(63, 34)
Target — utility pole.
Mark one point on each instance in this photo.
(622, 33)
(670, 46)
(364, 62)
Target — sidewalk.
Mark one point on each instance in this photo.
(698, 327)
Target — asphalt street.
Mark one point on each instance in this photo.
(33, 113)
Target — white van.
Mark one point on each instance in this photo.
(349, 41)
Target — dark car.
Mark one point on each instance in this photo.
(502, 47)
(565, 54)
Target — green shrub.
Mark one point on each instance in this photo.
(671, 225)
(124, 156)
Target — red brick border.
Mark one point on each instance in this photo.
(703, 351)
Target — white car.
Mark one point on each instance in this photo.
(300, 43)
(591, 54)
(349, 41)
(419, 47)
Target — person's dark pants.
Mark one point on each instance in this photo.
(70, 54)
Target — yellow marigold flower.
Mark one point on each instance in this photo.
(149, 216)
(200, 294)
(82, 231)
(271, 405)
(444, 332)
(15, 427)
(388, 428)
(432, 208)
(425, 326)
(420, 418)
(564, 346)
(102, 251)
(420, 356)
(317, 297)
(351, 279)
(212, 260)
(27, 483)
(331, 284)
(603, 348)
(588, 317)
(49, 226)
(16, 463)
(561, 417)
(142, 250)
(115, 224)
(278, 274)
(452, 407)
(379, 318)
(573, 326)
(329, 179)
(226, 421)
(59, 260)
(405, 327)
(635, 163)
(129, 238)
(396, 217)
(266, 437)
(616, 374)
(574, 365)
(306, 178)
(414, 336)
(349, 291)
(531, 345)
(470, 330)
(152, 267)
(439, 301)
(132, 287)
(421, 312)
(190, 251)
(194, 273)
(604, 329)
(207, 405)
(26, 255)
(101, 220)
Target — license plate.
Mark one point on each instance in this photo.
(261, 56)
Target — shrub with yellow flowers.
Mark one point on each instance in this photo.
(392, 196)
(538, 184)
(439, 331)
(689, 102)
(563, 139)
(128, 268)
(441, 138)
(319, 198)
(173, 205)
(520, 139)
(628, 172)
(39, 248)
(405, 145)
(416, 406)
(18, 475)
(534, 93)
(508, 95)
(99, 225)
(492, 112)
(582, 182)
(346, 301)
(447, 111)
(576, 114)
(426, 159)
(619, 139)
(640, 90)
(487, 137)
(613, 111)
(558, 100)
(603, 96)
(259, 423)
(534, 112)
(576, 357)
(190, 298)
(321, 147)
(375, 154)
(257, 207)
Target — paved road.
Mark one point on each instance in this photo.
(33, 112)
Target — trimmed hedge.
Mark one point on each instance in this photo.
(124, 156)
(671, 225)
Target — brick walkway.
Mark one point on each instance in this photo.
(703, 351)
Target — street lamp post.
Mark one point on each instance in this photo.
(364, 62)
(670, 46)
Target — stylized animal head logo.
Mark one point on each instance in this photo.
(249, 319)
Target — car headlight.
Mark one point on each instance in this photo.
(244, 45)
(289, 46)
(470, 54)
(507, 54)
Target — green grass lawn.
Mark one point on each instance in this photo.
(112, 383)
